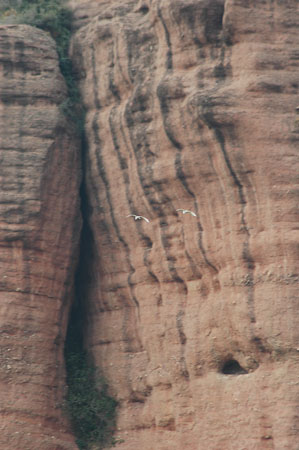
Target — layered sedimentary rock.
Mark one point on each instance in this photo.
(192, 104)
(39, 229)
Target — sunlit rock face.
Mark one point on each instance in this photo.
(39, 232)
(192, 104)
(192, 319)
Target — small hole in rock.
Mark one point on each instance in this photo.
(144, 10)
(232, 367)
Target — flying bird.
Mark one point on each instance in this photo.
(187, 211)
(138, 217)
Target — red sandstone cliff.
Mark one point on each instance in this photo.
(192, 104)
(193, 320)
(39, 230)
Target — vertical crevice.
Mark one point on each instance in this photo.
(169, 62)
(91, 410)
(213, 125)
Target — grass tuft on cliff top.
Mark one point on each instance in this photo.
(55, 18)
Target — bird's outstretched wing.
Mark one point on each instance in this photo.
(138, 217)
(185, 211)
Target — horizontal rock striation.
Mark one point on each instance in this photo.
(39, 230)
(191, 104)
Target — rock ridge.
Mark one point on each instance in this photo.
(39, 231)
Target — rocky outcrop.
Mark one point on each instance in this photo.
(191, 104)
(39, 230)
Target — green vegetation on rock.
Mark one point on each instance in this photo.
(55, 18)
(90, 408)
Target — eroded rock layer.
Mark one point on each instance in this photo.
(39, 229)
(192, 104)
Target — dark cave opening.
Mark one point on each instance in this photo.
(144, 9)
(232, 367)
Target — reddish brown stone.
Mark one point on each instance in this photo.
(39, 229)
(193, 320)
(191, 104)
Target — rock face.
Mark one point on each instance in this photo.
(192, 319)
(39, 229)
(191, 104)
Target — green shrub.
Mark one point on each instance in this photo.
(92, 411)
(49, 15)
(90, 408)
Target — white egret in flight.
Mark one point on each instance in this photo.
(184, 211)
(138, 217)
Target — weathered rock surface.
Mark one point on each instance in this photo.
(192, 104)
(39, 229)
